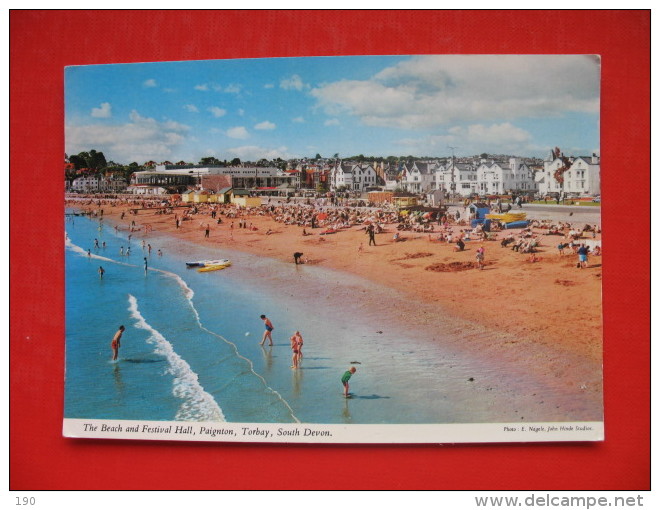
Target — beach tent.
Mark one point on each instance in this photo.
(479, 209)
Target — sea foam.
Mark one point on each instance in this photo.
(197, 405)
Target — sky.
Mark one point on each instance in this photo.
(424, 105)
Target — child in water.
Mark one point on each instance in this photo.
(344, 379)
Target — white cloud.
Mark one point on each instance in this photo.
(191, 108)
(429, 91)
(232, 89)
(203, 87)
(294, 82)
(269, 86)
(141, 139)
(149, 83)
(255, 153)
(299, 120)
(265, 125)
(217, 112)
(241, 112)
(102, 112)
(474, 139)
(331, 122)
(237, 132)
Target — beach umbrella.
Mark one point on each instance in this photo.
(322, 216)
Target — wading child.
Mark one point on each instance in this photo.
(344, 379)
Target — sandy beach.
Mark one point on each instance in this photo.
(544, 316)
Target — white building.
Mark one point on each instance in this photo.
(163, 176)
(581, 178)
(497, 177)
(353, 177)
(87, 184)
(419, 177)
(459, 178)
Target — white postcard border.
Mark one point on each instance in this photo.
(333, 433)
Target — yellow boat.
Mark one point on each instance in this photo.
(507, 217)
(214, 267)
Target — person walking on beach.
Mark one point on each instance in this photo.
(481, 251)
(372, 235)
(582, 252)
(207, 231)
(116, 342)
(269, 328)
(101, 272)
(344, 379)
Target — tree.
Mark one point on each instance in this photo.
(78, 161)
(210, 161)
(236, 162)
(93, 160)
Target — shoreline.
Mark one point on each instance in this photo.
(544, 316)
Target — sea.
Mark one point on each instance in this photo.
(191, 349)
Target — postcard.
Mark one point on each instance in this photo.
(359, 249)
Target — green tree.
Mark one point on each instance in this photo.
(236, 162)
(78, 161)
(210, 161)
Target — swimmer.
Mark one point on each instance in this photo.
(296, 348)
(267, 332)
(116, 342)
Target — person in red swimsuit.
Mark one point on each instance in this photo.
(116, 342)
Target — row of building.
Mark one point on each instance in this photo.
(578, 176)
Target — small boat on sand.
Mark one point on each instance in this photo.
(206, 263)
(216, 267)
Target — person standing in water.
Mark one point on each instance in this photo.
(101, 272)
(146, 265)
(116, 342)
(269, 328)
(296, 348)
(344, 379)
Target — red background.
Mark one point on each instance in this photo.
(43, 42)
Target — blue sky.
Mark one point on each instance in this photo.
(298, 107)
